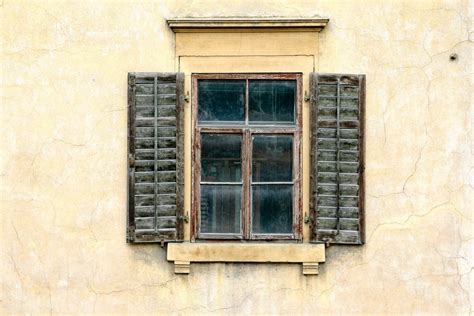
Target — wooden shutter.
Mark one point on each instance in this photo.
(337, 158)
(155, 153)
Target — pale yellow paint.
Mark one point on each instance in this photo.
(182, 254)
(241, 44)
(238, 252)
(63, 163)
(310, 268)
(182, 267)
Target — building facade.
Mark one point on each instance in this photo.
(65, 204)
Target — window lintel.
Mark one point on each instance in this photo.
(246, 24)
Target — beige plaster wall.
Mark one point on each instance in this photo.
(63, 167)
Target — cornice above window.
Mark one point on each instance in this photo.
(254, 24)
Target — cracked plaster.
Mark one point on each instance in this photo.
(63, 145)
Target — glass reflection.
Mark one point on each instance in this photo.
(272, 101)
(221, 101)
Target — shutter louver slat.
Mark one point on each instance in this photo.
(337, 158)
(155, 157)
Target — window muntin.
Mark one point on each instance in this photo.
(255, 195)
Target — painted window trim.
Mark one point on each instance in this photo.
(297, 236)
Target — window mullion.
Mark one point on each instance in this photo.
(246, 176)
(246, 110)
(246, 170)
(297, 174)
(197, 183)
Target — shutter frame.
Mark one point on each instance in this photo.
(321, 225)
(167, 226)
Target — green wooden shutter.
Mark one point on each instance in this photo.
(155, 153)
(337, 158)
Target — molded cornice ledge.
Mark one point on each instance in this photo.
(181, 25)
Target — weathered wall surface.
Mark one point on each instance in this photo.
(63, 162)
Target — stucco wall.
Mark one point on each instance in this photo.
(63, 162)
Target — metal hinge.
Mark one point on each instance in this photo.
(131, 160)
(307, 218)
(184, 218)
(186, 97)
(131, 234)
(131, 80)
(307, 98)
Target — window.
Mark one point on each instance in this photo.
(246, 156)
(247, 160)
(246, 166)
(219, 157)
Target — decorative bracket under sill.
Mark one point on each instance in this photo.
(183, 254)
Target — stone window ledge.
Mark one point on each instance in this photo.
(183, 254)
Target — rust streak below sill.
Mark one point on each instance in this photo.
(183, 254)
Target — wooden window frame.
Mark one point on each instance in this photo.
(247, 131)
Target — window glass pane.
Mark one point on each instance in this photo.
(221, 101)
(220, 157)
(272, 158)
(272, 209)
(272, 101)
(220, 208)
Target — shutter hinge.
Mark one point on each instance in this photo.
(131, 80)
(184, 218)
(307, 98)
(186, 97)
(131, 160)
(307, 218)
(131, 234)
(162, 242)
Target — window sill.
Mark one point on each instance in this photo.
(309, 255)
